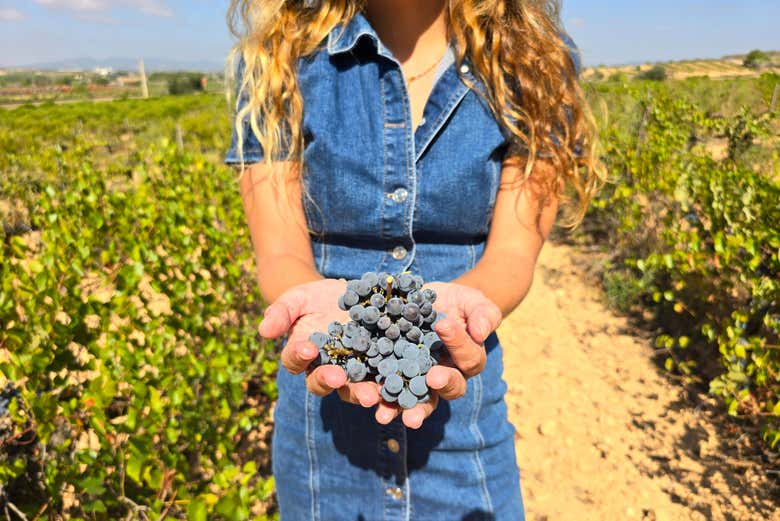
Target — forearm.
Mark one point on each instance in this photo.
(504, 278)
(278, 273)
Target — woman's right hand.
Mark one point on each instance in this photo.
(299, 312)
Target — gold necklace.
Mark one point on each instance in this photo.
(414, 77)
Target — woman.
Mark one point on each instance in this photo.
(438, 137)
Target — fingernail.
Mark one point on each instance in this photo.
(484, 328)
(385, 416)
(333, 380)
(415, 420)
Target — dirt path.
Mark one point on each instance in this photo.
(602, 435)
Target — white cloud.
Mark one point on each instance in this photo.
(10, 15)
(82, 7)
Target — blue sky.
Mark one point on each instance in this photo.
(607, 32)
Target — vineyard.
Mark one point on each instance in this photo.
(132, 382)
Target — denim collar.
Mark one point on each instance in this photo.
(343, 38)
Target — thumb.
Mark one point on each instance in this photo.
(282, 314)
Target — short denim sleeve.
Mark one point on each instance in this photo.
(251, 148)
(517, 148)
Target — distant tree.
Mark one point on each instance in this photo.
(657, 73)
(597, 75)
(756, 59)
(184, 83)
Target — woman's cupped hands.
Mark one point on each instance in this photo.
(470, 317)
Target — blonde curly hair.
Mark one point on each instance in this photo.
(516, 50)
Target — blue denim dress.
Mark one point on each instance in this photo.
(387, 197)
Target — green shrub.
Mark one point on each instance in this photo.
(699, 241)
(756, 59)
(657, 73)
(129, 326)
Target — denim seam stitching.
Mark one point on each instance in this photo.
(444, 115)
(480, 442)
(384, 166)
(411, 168)
(312, 458)
(407, 490)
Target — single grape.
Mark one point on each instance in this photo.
(319, 339)
(405, 282)
(414, 334)
(322, 359)
(378, 378)
(370, 315)
(335, 329)
(395, 307)
(430, 295)
(409, 367)
(416, 297)
(399, 347)
(352, 285)
(382, 279)
(426, 362)
(374, 361)
(418, 386)
(385, 346)
(429, 338)
(411, 312)
(364, 288)
(373, 349)
(377, 300)
(356, 312)
(418, 282)
(370, 278)
(404, 325)
(356, 370)
(387, 396)
(383, 322)
(392, 332)
(426, 308)
(424, 399)
(388, 366)
(351, 328)
(394, 384)
(361, 344)
(341, 304)
(351, 298)
(410, 351)
(347, 341)
(431, 319)
(407, 399)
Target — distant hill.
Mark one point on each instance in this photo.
(725, 67)
(126, 64)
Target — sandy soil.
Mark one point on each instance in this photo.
(602, 433)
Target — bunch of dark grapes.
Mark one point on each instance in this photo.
(390, 338)
(6, 395)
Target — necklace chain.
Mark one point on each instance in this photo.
(414, 77)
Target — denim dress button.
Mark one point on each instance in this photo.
(399, 195)
(399, 253)
(464, 68)
(393, 446)
(396, 492)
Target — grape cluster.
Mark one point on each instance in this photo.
(390, 338)
(6, 395)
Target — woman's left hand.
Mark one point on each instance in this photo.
(470, 318)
